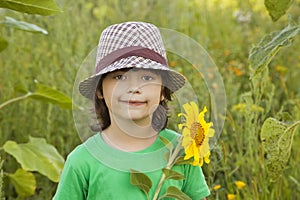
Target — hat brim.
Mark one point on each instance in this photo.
(173, 82)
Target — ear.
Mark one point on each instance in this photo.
(162, 95)
(99, 94)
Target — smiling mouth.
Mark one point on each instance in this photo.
(134, 103)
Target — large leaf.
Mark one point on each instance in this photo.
(40, 7)
(261, 55)
(174, 192)
(277, 8)
(37, 155)
(3, 44)
(141, 180)
(47, 94)
(24, 182)
(43, 93)
(24, 26)
(277, 138)
(171, 174)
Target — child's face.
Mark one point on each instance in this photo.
(133, 94)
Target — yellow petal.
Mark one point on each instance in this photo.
(186, 141)
(206, 159)
(211, 132)
(180, 126)
(196, 152)
(200, 162)
(217, 187)
(230, 196)
(194, 110)
(240, 184)
(189, 152)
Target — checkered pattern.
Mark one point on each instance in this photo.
(129, 34)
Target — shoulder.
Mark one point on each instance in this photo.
(169, 134)
(81, 155)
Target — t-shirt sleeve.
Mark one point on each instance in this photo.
(195, 185)
(72, 184)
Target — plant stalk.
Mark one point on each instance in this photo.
(170, 164)
(14, 100)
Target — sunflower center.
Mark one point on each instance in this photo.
(197, 133)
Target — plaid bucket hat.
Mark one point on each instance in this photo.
(127, 45)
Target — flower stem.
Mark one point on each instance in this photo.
(170, 164)
(14, 99)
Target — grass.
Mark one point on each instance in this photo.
(54, 60)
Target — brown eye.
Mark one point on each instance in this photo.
(148, 78)
(120, 77)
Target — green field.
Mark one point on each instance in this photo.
(238, 155)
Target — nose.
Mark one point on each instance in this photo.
(134, 87)
(134, 90)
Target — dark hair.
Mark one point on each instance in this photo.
(159, 118)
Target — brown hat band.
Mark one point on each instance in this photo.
(129, 51)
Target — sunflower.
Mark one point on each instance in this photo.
(196, 133)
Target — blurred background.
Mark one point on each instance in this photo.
(226, 29)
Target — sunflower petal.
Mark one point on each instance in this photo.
(189, 152)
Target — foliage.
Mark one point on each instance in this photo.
(277, 139)
(36, 155)
(262, 54)
(277, 8)
(11, 22)
(226, 29)
(44, 7)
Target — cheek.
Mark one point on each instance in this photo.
(156, 93)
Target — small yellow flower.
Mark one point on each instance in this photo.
(231, 196)
(196, 133)
(240, 184)
(217, 187)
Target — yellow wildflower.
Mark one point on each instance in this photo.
(196, 133)
(231, 196)
(242, 107)
(240, 184)
(217, 187)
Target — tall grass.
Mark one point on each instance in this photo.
(54, 60)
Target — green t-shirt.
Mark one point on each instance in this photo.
(95, 171)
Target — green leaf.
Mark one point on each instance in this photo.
(24, 26)
(168, 144)
(24, 182)
(180, 160)
(40, 7)
(171, 174)
(141, 180)
(277, 138)
(47, 94)
(277, 8)
(37, 155)
(261, 55)
(174, 192)
(3, 44)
